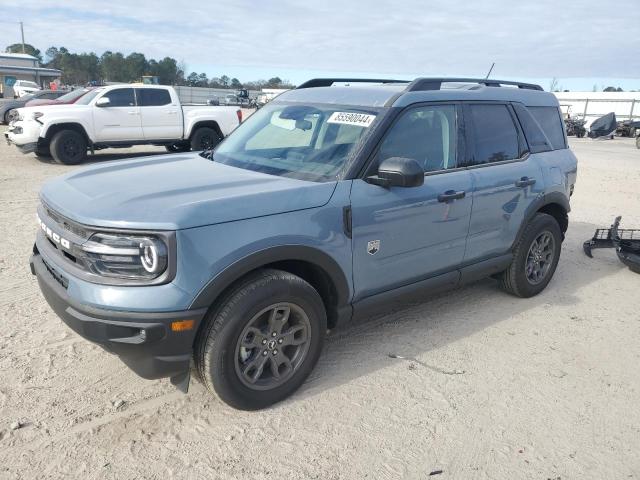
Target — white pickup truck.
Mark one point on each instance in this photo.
(120, 116)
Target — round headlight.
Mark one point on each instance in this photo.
(149, 255)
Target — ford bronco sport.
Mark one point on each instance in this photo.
(336, 199)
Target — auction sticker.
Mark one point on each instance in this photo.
(352, 118)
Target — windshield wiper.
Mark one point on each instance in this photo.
(208, 154)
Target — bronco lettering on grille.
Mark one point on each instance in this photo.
(53, 235)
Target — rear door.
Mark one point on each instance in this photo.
(404, 235)
(161, 114)
(120, 119)
(506, 179)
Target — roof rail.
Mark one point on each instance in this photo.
(436, 83)
(327, 82)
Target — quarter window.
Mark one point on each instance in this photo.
(549, 120)
(496, 137)
(121, 97)
(426, 134)
(153, 97)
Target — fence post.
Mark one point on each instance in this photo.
(586, 105)
(633, 104)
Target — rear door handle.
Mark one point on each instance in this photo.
(451, 195)
(132, 112)
(525, 182)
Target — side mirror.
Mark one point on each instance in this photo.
(398, 172)
(103, 102)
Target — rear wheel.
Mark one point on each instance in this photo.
(205, 138)
(535, 257)
(68, 147)
(262, 341)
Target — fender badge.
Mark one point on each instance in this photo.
(373, 247)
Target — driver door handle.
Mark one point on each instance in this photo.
(525, 182)
(451, 195)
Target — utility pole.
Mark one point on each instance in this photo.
(22, 33)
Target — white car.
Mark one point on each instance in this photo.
(120, 116)
(23, 87)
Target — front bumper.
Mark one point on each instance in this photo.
(24, 134)
(144, 341)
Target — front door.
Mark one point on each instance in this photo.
(404, 235)
(119, 120)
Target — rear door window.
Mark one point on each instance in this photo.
(153, 97)
(496, 136)
(549, 119)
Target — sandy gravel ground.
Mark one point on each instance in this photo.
(492, 387)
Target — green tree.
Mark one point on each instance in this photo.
(235, 83)
(28, 49)
(224, 81)
(114, 67)
(136, 66)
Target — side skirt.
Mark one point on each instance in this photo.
(419, 291)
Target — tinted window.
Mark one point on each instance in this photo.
(537, 140)
(549, 120)
(122, 97)
(153, 97)
(496, 137)
(425, 134)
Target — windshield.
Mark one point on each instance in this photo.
(86, 99)
(25, 83)
(296, 141)
(73, 95)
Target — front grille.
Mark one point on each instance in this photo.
(65, 223)
(61, 279)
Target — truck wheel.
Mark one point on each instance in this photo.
(204, 138)
(262, 340)
(178, 147)
(535, 257)
(68, 147)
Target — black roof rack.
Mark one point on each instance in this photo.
(327, 82)
(436, 83)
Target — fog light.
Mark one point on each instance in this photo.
(182, 325)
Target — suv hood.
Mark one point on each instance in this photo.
(172, 192)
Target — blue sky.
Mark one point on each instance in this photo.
(579, 42)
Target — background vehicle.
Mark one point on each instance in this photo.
(24, 87)
(64, 98)
(7, 105)
(575, 126)
(628, 128)
(120, 116)
(331, 202)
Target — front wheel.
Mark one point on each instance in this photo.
(262, 341)
(68, 147)
(535, 257)
(205, 138)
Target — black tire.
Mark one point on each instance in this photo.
(219, 346)
(6, 117)
(516, 279)
(178, 147)
(68, 147)
(205, 138)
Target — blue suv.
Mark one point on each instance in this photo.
(338, 199)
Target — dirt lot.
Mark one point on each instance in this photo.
(491, 387)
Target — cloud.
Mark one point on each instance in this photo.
(526, 39)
